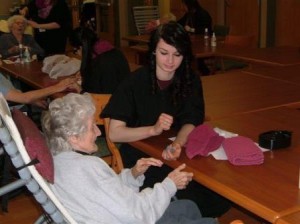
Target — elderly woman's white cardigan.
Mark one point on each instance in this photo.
(93, 193)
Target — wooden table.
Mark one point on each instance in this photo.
(293, 218)
(237, 92)
(269, 190)
(288, 74)
(137, 39)
(29, 73)
(280, 56)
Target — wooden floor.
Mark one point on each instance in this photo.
(23, 209)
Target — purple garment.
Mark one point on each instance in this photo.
(102, 46)
(44, 8)
(202, 140)
(242, 151)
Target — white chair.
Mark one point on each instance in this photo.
(29, 176)
(142, 15)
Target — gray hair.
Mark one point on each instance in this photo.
(11, 20)
(66, 117)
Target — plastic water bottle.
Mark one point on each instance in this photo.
(213, 42)
(206, 37)
(21, 54)
(27, 57)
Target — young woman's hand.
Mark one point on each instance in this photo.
(33, 24)
(163, 123)
(172, 152)
(180, 178)
(41, 103)
(143, 164)
(66, 83)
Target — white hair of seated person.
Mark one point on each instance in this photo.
(66, 117)
(11, 20)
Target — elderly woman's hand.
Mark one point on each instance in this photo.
(13, 50)
(180, 178)
(143, 164)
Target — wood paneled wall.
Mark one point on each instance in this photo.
(243, 17)
(287, 23)
(247, 17)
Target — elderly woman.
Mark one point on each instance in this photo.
(90, 190)
(9, 42)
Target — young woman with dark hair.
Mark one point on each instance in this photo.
(164, 94)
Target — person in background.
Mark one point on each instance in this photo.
(194, 21)
(91, 191)
(162, 95)
(88, 15)
(153, 24)
(9, 42)
(51, 20)
(196, 18)
(103, 67)
(36, 97)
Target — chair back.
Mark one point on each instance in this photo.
(240, 40)
(107, 71)
(142, 15)
(115, 159)
(29, 176)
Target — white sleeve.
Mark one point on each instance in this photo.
(123, 199)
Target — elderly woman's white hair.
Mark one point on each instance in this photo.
(66, 117)
(11, 20)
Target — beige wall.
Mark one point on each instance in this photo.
(5, 5)
(164, 7)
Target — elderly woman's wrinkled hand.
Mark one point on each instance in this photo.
(180, 177)
(143, 164)
(14, 49)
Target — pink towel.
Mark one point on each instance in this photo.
(202, 140)
(242, 151)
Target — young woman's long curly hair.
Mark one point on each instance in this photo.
(175, 35)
